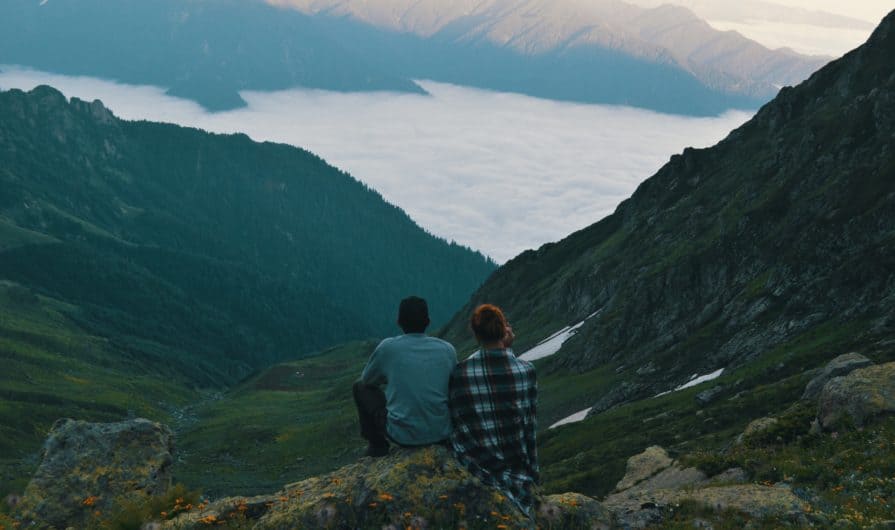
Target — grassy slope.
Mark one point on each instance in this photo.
(590, 456)
(276, 427)
(53, 369)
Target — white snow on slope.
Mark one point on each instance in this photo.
(695, 380)
(574, 418)
(553, 343)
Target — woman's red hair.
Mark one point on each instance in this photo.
(488, 323)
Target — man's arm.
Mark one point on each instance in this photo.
(374, 371)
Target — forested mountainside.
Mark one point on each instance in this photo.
(227, 253)
(203, 50)
(785, 228)
(664, 59)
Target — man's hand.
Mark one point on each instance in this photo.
(508, 337)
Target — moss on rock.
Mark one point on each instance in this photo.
(415, 488)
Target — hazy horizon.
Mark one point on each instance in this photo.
(813, 27)
(498, 172)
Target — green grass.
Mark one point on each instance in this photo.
(53, 369)
(848, 476)
(561, 394)
(12, 236)
(590, 456)
(277, 427)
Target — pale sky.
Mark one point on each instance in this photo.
(869, 10)
(815, 27)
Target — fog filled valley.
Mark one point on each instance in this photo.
(444, 158)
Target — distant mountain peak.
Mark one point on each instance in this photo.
(722, 60)
(780, 232)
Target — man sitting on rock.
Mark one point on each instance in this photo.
(415, 371)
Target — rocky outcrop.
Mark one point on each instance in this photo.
(651, 507)
(757, 427)
(842, 365)
(654, 484)
(418, 488)
(857, 397)
(620, 394)
(642, 466)
(90, 467)
(707, 396)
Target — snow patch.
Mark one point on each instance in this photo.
(574, 418)
(553, 343)
(697, 380)
(694, 380)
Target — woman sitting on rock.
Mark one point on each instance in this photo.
(493, 402)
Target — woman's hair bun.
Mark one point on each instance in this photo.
(488, 323)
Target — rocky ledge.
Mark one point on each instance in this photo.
(410, 488)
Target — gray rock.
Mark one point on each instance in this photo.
(617, 396)
(672, 478)
(858, 396)
(91, 467)
(707, 396)
(734, 475)
(756, 427)
(647, 369)
(643, 466)
(644, 508)
(376, 492)
(842, 365)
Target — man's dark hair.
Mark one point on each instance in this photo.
(413, 315)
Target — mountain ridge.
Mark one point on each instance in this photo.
(203, 50)
(145, 267)
(210, 50)
(717, 284)
(667, 34)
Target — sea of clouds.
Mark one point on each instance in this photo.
(498, 172)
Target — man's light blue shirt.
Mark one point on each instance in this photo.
(416, 371)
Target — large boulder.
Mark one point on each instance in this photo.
(648, 508)
(655, 484)
(757, 427)
(417, 488)
(643, 466)
(842, 365)
(857, 397)
(91, 467)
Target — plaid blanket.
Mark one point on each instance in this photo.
(493, 402)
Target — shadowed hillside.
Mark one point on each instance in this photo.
(141, 261)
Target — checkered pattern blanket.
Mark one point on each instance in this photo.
(493, 402)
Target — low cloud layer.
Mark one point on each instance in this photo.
(497, 172)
